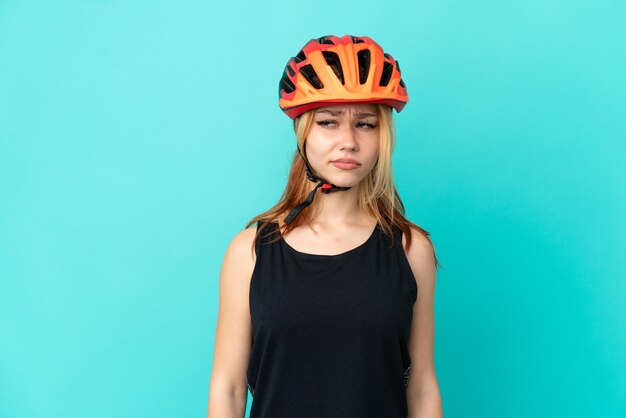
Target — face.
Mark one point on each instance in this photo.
(343, 132)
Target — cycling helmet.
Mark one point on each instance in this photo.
(330, 71)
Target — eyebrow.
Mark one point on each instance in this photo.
(340, 112)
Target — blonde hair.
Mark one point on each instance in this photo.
(377, 195)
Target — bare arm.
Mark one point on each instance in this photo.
(228, 392)
(423, 395)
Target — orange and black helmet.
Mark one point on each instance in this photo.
(332, 70)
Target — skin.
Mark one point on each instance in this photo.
(337, 132)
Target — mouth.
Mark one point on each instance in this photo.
(343, 165)
(346, 160)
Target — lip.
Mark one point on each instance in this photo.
(346, 160)
(345, 166)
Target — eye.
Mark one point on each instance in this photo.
(326, 122)
(366, 125)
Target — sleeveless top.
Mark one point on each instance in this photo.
(330, 332)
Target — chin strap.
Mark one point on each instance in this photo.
(327, 187)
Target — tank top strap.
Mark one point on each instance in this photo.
(397, 235)
(397, 231)
(266, 235)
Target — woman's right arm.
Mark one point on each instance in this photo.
(228, 391)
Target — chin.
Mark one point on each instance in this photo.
(345, 181)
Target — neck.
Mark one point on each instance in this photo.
(338, 208)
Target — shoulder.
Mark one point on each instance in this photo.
(244, 237)
(421, 257)
(239, 250)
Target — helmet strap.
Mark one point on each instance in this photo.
(327, 187)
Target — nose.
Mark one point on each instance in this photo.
(348, 138)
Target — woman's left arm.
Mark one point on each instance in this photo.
(423, 395)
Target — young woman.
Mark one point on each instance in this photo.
(319, 310)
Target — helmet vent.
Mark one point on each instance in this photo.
(325, 40)
(286, 84)
(364, 65)
(309, 73)
(386, 75)
(402, 84)
(300, 57)
(356, 40)
(332, 59)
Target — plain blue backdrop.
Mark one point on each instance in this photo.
(138, 137)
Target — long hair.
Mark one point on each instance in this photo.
(377, 195)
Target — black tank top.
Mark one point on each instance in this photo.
(330, 331)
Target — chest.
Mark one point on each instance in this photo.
(363, 294)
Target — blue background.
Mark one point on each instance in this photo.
(138, 137)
